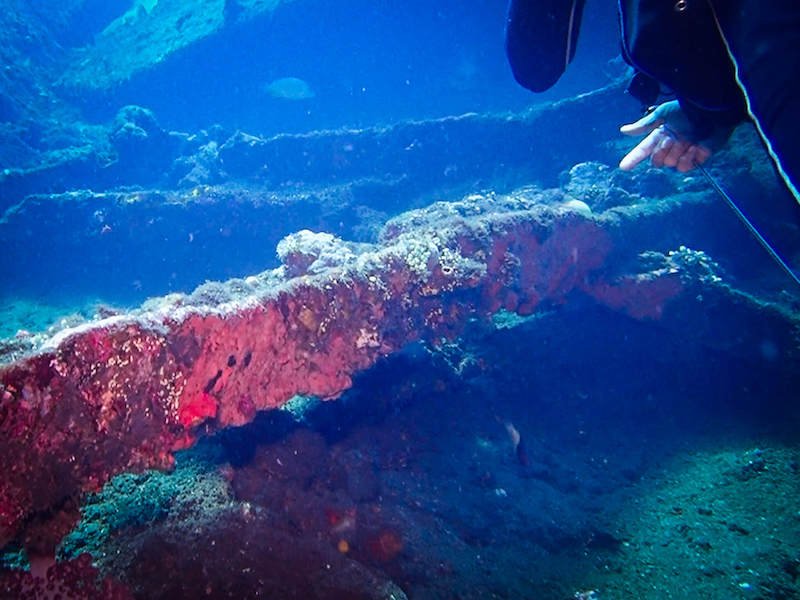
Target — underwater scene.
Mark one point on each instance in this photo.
(307, 299)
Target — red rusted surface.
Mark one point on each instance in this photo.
(126, 393)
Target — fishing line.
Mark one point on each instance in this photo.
(750, 227)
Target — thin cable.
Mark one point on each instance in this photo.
(750, 227)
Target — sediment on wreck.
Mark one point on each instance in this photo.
(126, 392)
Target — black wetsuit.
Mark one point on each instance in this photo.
(725, 60)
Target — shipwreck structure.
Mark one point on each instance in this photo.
(125, 392)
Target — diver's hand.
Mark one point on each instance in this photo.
(668, 143)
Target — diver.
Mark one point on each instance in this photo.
(702, 67)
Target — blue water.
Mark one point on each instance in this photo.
(368, 63)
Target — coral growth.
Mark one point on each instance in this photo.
(124, 393)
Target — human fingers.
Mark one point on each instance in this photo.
(644, 125)
(703, 154)
(678, 149)
(695, 155)
(641, 151)
(665, 144)
(688, 160)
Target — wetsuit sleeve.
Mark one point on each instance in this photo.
(541, 36)
(763, 41)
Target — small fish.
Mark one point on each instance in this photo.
(516, 441)
(289, 88)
